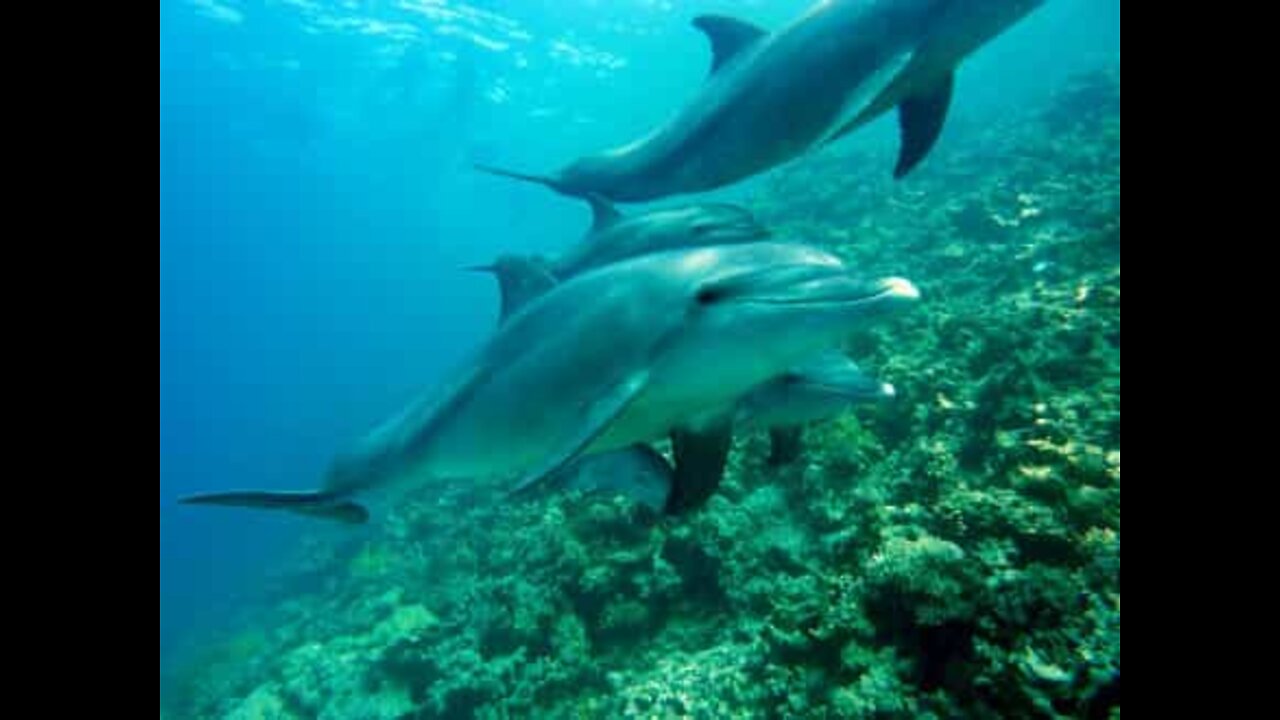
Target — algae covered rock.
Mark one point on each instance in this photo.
(931, 580)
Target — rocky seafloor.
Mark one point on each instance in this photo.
(955, 553)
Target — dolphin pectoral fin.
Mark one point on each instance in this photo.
(922, 118)
(325, 506)
(787, 444)
(595, 423)
(728, 36)
(603, 213)
(701, 457)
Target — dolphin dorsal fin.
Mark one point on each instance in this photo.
(728, 36)
(603, 213)
(520, 280)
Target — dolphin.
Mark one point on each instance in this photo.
(773, 96)
(614, 237)
(822, 388)
(616, 357)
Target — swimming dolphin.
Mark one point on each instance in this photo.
(616, 357)
(773, 96)
(821, 389)
(614, 237)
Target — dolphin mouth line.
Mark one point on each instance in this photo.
(845, 393)
(836, 390)
(885, 293)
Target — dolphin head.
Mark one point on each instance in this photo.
(793, 290)
(837, 376)
(820, 389)
(752, 312)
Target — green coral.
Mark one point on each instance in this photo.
(930, 579)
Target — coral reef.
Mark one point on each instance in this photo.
(953, 554)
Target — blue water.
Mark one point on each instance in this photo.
(316, 206)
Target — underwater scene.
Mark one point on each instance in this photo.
(639, 359)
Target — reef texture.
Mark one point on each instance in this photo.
(955, 553)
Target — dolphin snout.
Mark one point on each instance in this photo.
(900, 288)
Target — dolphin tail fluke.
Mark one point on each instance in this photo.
(543, 180)
(325, 506)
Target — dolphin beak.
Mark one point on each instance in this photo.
(487, 269)
(900, 288)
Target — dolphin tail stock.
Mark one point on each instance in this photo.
(543, 180)
(325, 506)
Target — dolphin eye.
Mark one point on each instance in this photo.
(710, 295)
(702, 230)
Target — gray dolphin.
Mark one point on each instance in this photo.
(614, 237)
(773, 96)
(822, 388)
(616, 357)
